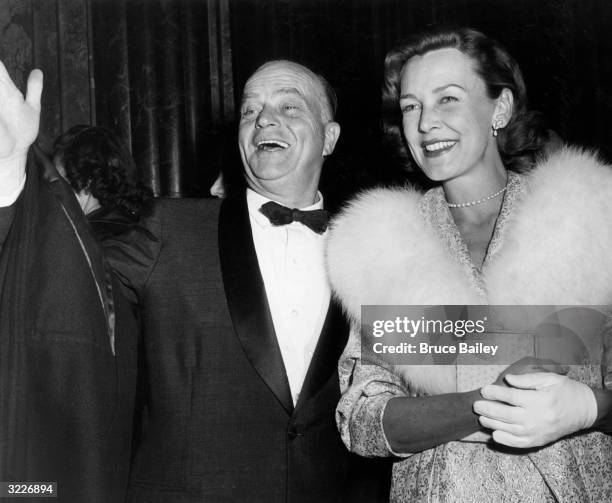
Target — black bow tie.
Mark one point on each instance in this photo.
(315, 220)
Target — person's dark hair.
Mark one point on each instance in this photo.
(525, 135)
(96, 160)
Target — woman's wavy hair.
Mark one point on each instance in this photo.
(96, 160)
(526, 134)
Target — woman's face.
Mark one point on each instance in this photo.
(447, 115)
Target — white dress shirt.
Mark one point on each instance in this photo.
(291, 261)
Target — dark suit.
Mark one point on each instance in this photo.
(220, 423)
(67, 350)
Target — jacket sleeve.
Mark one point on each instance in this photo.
(6, 218)
(133, 254)
(366, 388)
(604, 396)
(418, 420)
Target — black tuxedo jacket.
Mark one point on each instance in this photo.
(219, 423)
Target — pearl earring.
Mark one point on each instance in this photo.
(495, 127)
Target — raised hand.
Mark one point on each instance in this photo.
(19, 121)
(536, 409)
(19, 118)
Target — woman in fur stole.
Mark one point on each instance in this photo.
(505, 225)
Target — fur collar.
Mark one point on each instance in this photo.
(556, 246)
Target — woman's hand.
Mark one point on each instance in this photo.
(536, 409)
(530, 365)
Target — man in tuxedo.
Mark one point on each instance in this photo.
(240, 337)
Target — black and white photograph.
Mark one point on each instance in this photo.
(306, 251)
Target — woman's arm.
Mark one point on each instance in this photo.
(414, 424)
(377, 416)
(603, 397)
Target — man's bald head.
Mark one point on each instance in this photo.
(286, 131)
(324, 91)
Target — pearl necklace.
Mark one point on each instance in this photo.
(478, 201)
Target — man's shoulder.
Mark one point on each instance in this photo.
(181, 213)
(174, 227)
(186, 207)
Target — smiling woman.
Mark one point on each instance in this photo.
(487, 234)
(490, 66)
(447, 117)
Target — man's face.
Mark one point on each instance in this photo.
(283, 136)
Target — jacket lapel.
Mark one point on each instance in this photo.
(88, 242)
(324, 363)
(246, 298)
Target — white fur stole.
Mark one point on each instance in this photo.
(556, 248)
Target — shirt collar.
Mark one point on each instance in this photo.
(256, 200)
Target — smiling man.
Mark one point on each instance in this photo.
(241, 339)
(286, 130)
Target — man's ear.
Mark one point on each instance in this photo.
(503, 109)
(332, 133)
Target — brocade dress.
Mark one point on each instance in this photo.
(577, 468)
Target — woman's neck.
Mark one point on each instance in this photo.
(478, 186)
(476, 221)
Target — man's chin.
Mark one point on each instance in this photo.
(270, 170)
(271, 159)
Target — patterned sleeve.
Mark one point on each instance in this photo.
(606, 370)
(366, 388)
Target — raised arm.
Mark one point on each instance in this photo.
(19, 122)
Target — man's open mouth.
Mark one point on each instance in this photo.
(271, 145)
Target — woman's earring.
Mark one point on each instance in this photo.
(495, 126)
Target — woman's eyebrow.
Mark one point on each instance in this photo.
(436, 90)
(446, 86)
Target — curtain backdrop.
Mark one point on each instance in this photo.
(163, 73)
(52, 35)
(562, 46)
(167, 74)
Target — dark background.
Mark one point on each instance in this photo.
(167, 74)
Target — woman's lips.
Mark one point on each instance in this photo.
(438, 147)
